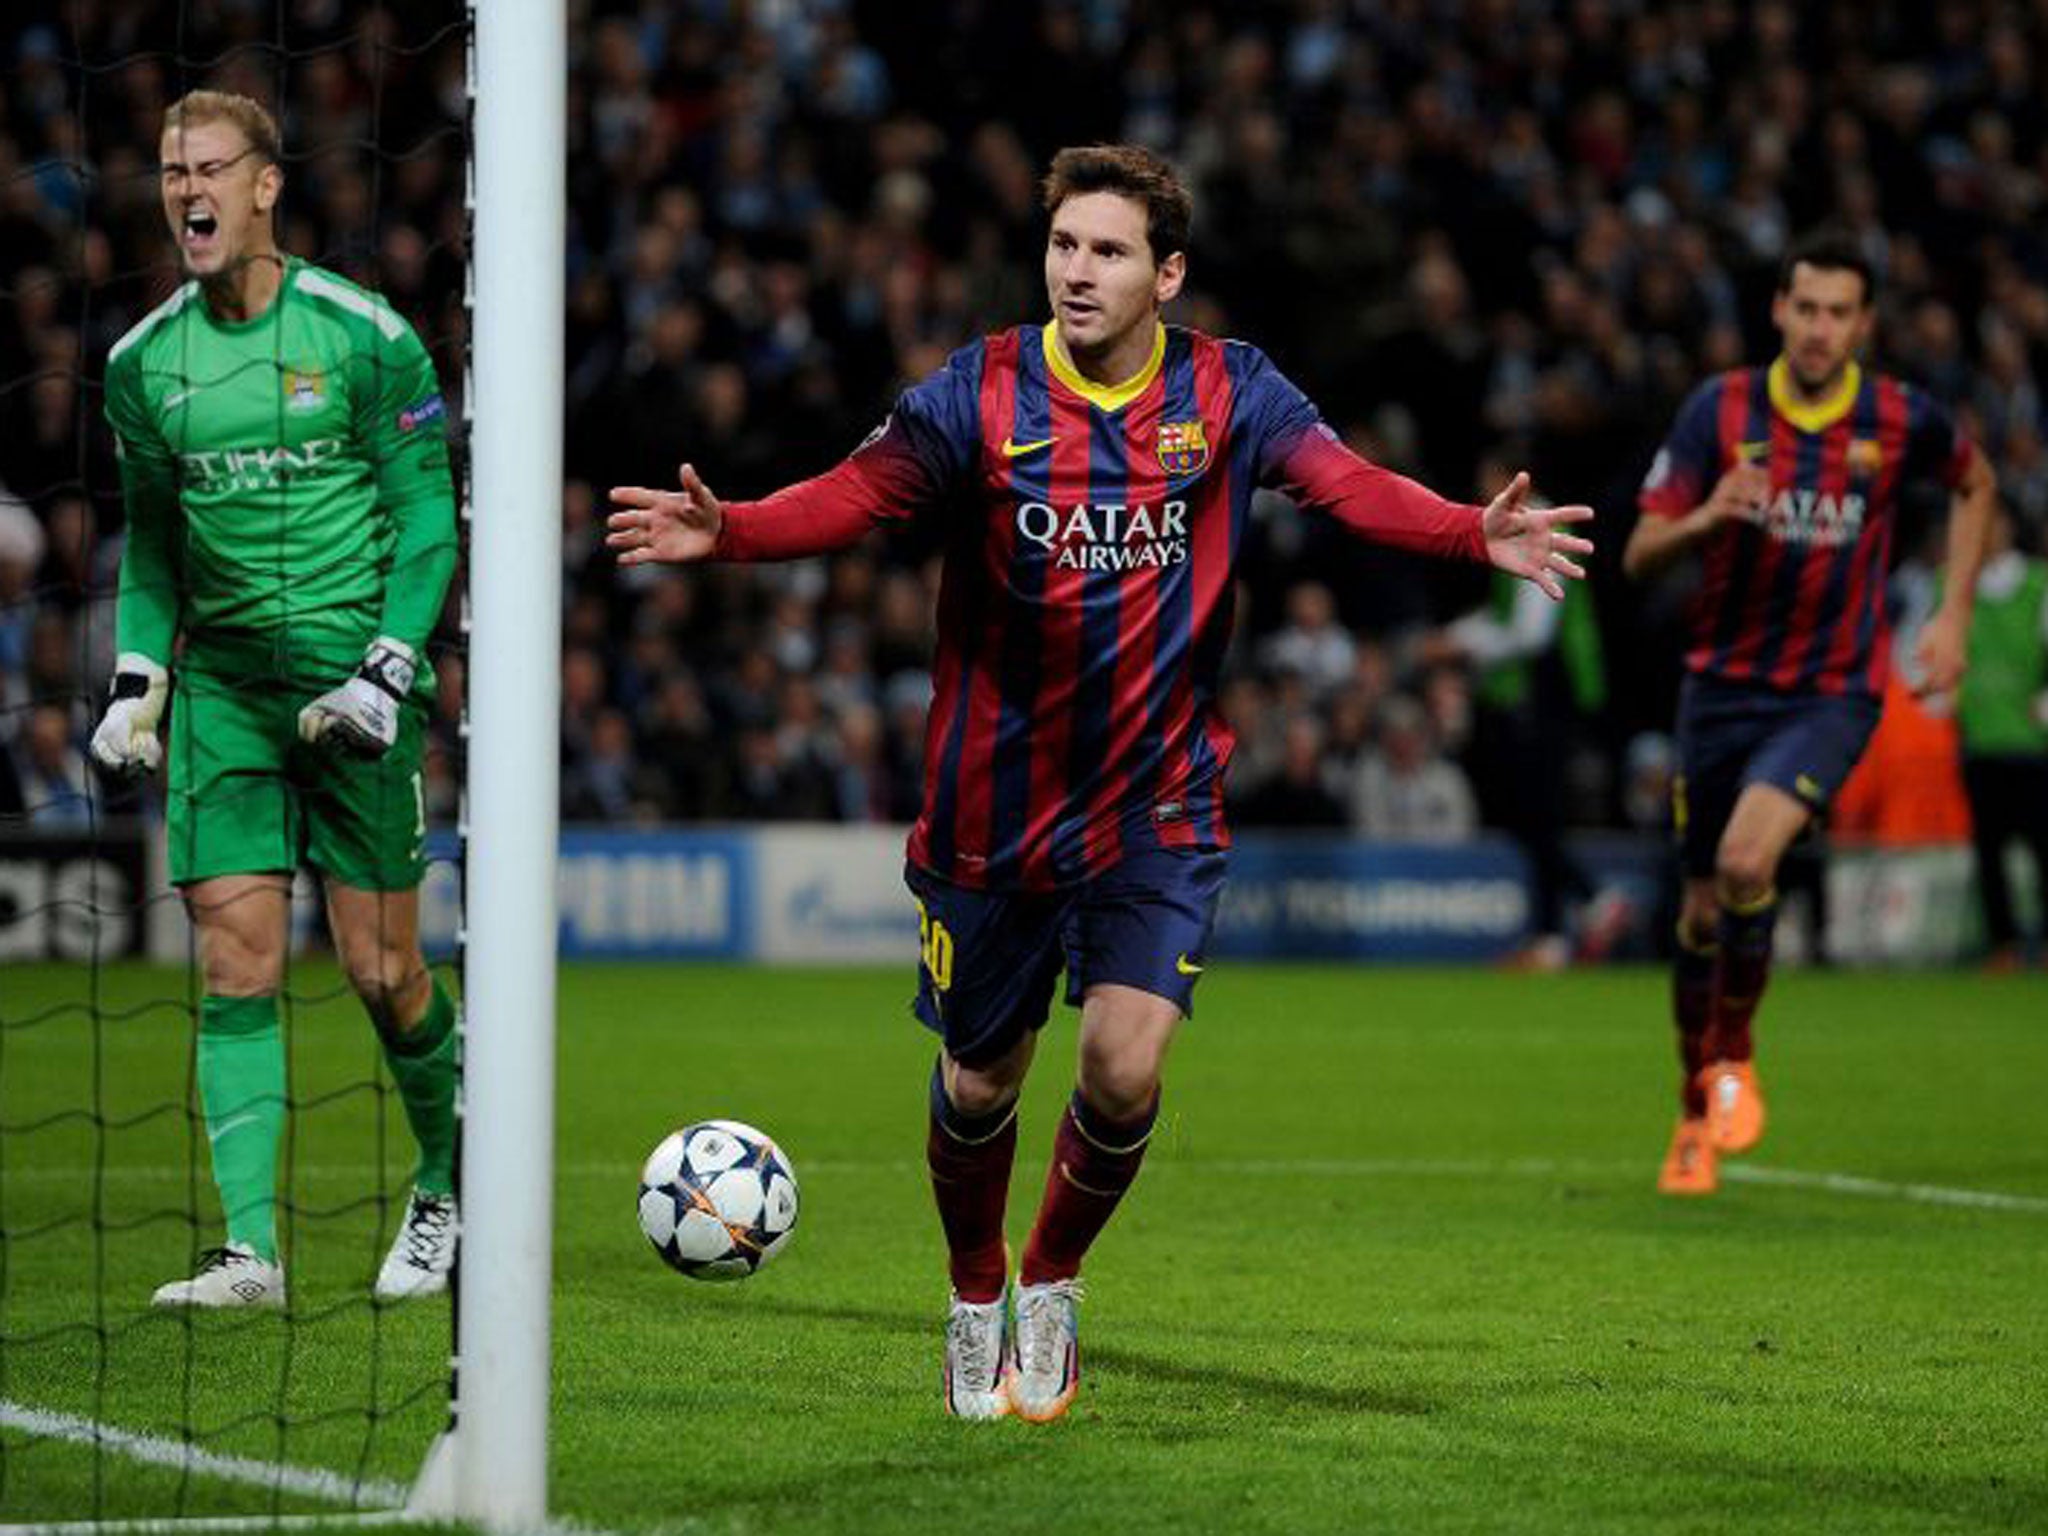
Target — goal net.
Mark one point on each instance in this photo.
(113, 1410)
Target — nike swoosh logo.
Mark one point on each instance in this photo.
(1012, 449)
(1186, 966)
(232, 1123)
(172, 402)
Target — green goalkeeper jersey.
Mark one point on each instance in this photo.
(286, 481)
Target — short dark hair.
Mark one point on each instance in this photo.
(1831, 250)
(1129, 170)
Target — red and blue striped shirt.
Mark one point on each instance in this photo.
(1090, 536)
(1794, 598)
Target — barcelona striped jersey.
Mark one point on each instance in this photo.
(1794, 599)
(1090, 535)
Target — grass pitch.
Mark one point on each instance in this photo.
(1395, 1263)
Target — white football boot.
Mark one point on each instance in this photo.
(977, 1359)
(424, 1250)
(229, 1276)
(1048, 1349)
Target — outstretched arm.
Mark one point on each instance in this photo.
(876, 485)
(1389, 508)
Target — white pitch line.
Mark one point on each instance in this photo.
(1880, 1189)
(311, 1482)
(1311, 1167)
(307, 1482)
(189, 1524)
(1739, 1173)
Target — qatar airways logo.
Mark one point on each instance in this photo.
(255, 469)
(1814, 517)
(1107, 535)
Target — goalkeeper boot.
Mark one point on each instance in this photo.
(977, 1358)
(1690, 1167)
(1048, 1349)
(229, 1276)
(424, 1250)
(1735, 1105)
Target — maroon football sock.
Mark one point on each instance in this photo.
(1692, 1005)
(969, 1158)
(1094, 1160)
(1745, 970)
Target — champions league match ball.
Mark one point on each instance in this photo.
(717, 1200)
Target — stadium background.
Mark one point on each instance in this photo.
(1480, 236)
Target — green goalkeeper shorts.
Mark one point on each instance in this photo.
(247, 796)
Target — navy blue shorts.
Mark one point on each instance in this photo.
(1733, 735)
(988, 959)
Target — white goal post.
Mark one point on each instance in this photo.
(492, 1468)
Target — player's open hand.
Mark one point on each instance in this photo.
(1527, 541)
(673, 527)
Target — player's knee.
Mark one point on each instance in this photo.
(390, 981)
(976, 1093)
(1743, 871)
(1119, 1079)
(236, 964)
(240, 975)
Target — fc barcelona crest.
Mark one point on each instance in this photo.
(1866, 456)
(1183, 447)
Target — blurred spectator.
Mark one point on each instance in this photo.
(599, 782)
(1536, 668)
(1312, 645)
(21, 554)
(860, 768)
(1406, 791)
(2002, 713)
(1649, 767)
(1298, 794)
(55, 787)
(906, 701)
(679, 747)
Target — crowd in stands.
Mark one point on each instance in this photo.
(1482, 235)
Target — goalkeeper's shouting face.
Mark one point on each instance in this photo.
(219, 188)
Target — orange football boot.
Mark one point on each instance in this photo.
(1689, 1167)
(1735, 1105)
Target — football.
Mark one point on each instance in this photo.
(717, 1200)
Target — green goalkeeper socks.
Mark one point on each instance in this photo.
(423, 1065)
(241, 1087)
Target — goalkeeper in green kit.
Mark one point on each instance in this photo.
(291, 519)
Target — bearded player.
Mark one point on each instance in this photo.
(1783, 483)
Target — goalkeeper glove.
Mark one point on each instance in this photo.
(125, 742)
(361, 716)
